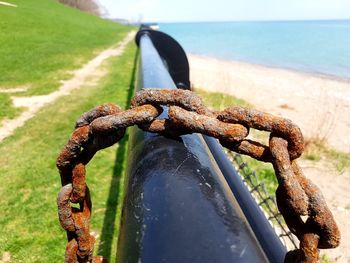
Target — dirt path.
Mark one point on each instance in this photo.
(90, 72)
(320, 106)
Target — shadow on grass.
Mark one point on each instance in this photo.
(107, 233)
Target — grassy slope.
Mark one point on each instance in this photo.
(29, 182)
(42, 40)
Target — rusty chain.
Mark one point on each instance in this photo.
(297, 197)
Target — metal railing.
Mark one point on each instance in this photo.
(265, 201)
(184, 200)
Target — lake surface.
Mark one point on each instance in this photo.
(321, 47)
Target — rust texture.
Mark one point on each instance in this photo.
(267, 122)
(105, 125)
(194, 122)
(183, 98)
(251, 148)
(99, 111)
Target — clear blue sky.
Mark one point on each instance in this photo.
(226, 10)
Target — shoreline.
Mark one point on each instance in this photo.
(302, 72)
(319, 104)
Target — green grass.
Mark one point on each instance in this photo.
(316, 150)
(347, 207)
(265, 174)
(220, 101)
(29, 180)
(325, 259)
(7, 110)
(264, 171)
(42, 41)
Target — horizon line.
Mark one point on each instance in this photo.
(267, 20)
(225, 21)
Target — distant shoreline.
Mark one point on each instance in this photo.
(304, 72)
(252, 21)
(318, 104)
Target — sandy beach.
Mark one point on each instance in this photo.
(319, 105)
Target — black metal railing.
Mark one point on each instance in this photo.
(265, 201)
(184, 201)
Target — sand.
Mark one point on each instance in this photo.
(319, 105)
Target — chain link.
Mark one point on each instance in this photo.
(297, 197)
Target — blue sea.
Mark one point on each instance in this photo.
(319, 47)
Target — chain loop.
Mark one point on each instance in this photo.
(105, 125)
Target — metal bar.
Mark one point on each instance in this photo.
(272, 245)
(170, 53)
(178, 206)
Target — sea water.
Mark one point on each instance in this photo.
(321, 47)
